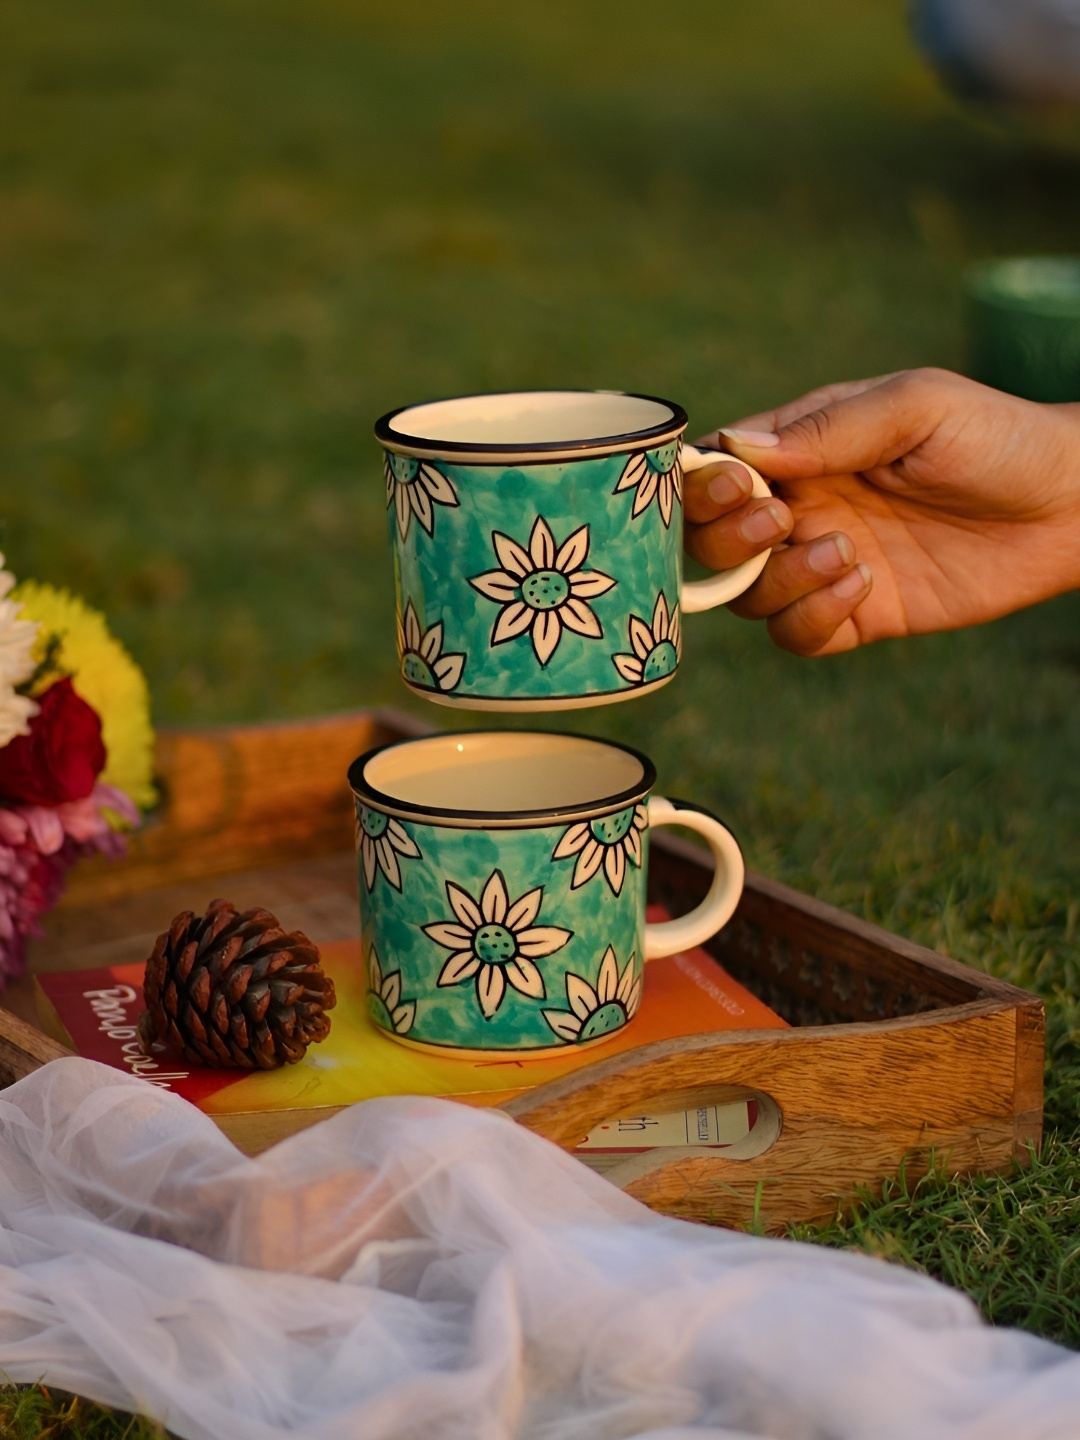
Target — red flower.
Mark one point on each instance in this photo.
(61, 757)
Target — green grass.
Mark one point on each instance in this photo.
(231, 234)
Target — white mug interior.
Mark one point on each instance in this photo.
(498, 775)
(534, 417)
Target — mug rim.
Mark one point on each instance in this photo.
(414, 445)
(498, 819)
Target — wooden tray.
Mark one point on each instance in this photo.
(896, 1053)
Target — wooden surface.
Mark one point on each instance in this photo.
(895, 1052)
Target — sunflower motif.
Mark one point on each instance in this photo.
(385, 1005)
(379, 837)
(414, 486)
(607, 842)
(543, 588)
(597, 1012)
(422, 660)
(654, 474)
(656, 649)
(496, 941)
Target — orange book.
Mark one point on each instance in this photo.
(95, 1013)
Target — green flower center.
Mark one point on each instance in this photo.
(659, 662)
(373, 822)
(379, 1013)
(494, 944)
(545, 590)
(610, 829)
(662, 460)
(417, 670)
(404, 468)
(609, 1017)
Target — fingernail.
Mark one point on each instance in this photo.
(834, 552)
(762, 439)
(764, 524)
(730, 484)
(853, 584)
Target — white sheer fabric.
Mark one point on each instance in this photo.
(415, 1268)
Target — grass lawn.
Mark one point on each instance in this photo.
(232, 234)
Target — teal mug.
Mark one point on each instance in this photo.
(537, 545)
(502, 888)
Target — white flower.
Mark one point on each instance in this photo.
(496, 941)
(422, 660)
(608, 841)
(413, 485)
(17, 639)
(542, 589)
(384, 1000)
(379, 836)
(654, 474)
(598, 1012)
(657, 649)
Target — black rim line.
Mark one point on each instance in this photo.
(499, 819)
(632, 440)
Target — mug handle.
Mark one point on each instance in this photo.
(725, 585)
(671, 936)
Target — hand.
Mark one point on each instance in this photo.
(919, 501)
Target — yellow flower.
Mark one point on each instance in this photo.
(106, 677)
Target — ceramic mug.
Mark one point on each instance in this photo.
(502, 887)
(537, 544)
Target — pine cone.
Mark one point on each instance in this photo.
(230, 988)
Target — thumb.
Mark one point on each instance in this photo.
(857, 432)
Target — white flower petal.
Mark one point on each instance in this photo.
(454, 937)
(524, 911)
(458, 968)
(675, 631)
(646, 491)
(448, 670)
(464, 906)
(403, 1017)
(403, 509)
(660, 618)
(587, 584)
(512, 556)
(411, 627)
(388, 476)
(641, 817)
(589, 862)
(676, 479)
(572, 841)
(636, 467)
(635, 997)
(367, 855)
(667, 491)
(546, 632)
(437, 485)
(583, 998)
(641, 638)
(391, 990)
(496, 585)
(629, 667)
(542, 545)
(615, 867)
(577, 616)
(567, 1027)
(495, 902)
(626, 982)
(523, 975)
(490, 988)
(573, 552)
(388, 861)
(431, 644)
(401, 840)
(421, 503)
(542, 940)
(607, 982)
(513, 621)
(374, 971)
(632, 846)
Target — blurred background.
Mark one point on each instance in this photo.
(233, 233)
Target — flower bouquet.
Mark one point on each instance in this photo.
(76, 751)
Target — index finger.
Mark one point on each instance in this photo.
(770, 421)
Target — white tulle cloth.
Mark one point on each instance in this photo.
(415, 1268)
